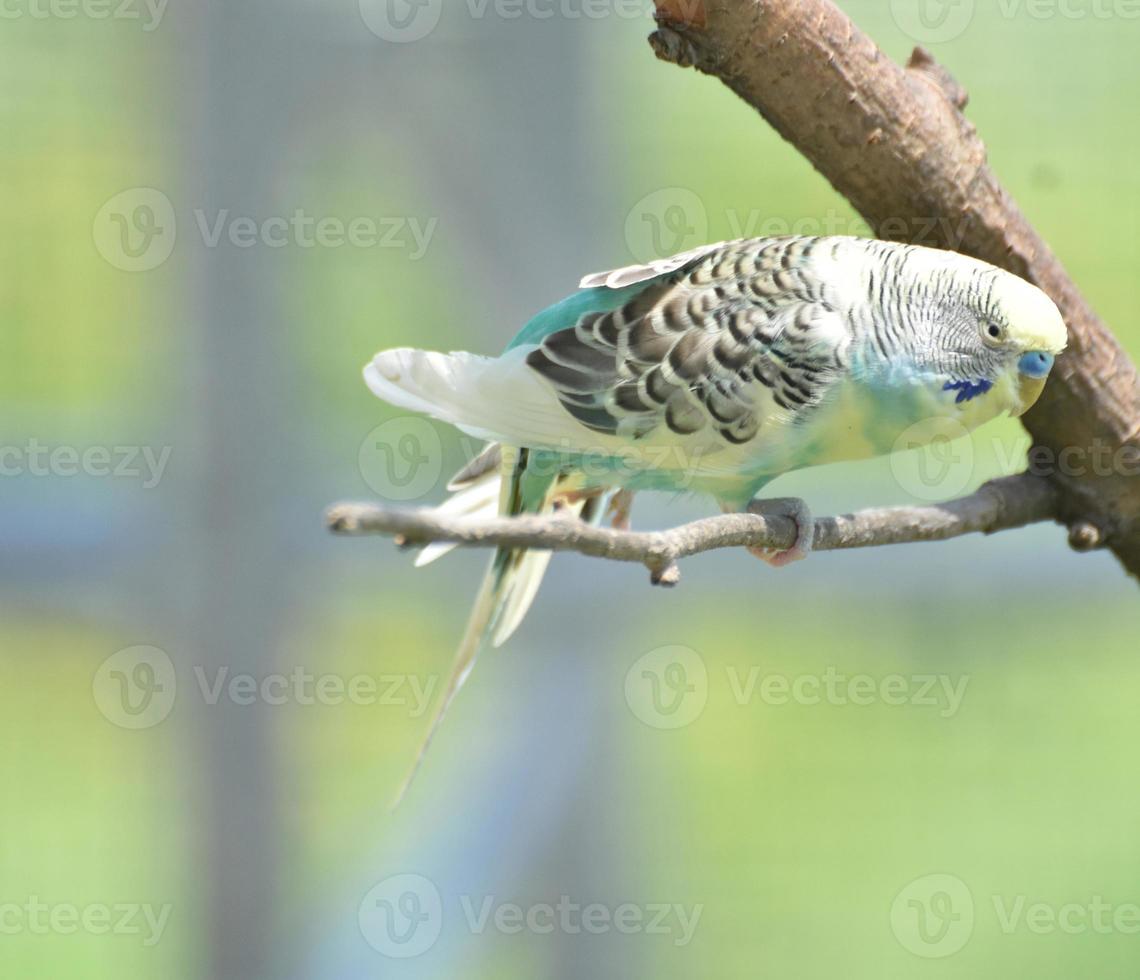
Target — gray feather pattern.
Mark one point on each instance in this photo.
(720, 338)
(630, 275)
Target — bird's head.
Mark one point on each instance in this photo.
(1026, 332)
(992, 337)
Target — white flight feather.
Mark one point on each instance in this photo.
(502, 400)
(479, 499)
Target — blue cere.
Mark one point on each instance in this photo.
(1035, 364)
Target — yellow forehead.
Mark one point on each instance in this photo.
(1034, 321)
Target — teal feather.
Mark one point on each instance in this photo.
(567, 312)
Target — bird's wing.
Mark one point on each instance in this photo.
(741, 341)
(736, 336)
(630, 275)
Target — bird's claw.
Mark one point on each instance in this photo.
(795, 509)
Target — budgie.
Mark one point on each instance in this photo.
(714, 372)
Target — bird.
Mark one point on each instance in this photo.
(713, 372)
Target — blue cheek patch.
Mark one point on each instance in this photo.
(1035, 364)
(968, 389)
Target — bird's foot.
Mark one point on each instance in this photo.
(797, 510)
(621, 504)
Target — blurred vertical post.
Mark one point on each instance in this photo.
(519, 163)
(236, 105)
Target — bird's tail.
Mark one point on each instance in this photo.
(498, 481)
(477, 395)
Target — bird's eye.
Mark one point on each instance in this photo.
(994, 332)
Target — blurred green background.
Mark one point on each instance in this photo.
(795, 832)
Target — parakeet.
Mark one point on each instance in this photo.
(715, 371)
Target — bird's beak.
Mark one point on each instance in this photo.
(1033, 370)
(1028, 391)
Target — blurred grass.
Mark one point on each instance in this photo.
(92, 814)
(77, 335)
(799, 823)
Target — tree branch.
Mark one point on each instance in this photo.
(997, 506)
(895, 143)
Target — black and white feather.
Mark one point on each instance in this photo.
(720, 340)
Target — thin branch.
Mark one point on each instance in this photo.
(1000, 505)
(893, 140)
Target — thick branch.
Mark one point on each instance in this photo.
(894, 142)
(997, 506)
